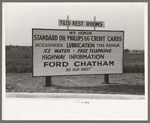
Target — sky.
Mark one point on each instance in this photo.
(20, 18)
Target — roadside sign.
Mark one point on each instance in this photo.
(79, 23)
(76, 52)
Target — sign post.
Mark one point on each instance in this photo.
(48, 81)
(106, 76)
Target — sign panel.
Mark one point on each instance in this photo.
(75, 52)
(79, 23)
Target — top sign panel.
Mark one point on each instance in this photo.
(79, 23)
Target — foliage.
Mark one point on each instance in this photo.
(18, 59)
(127, 50)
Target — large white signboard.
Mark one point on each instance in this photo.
(74, 52)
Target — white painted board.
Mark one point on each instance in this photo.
(77, 52)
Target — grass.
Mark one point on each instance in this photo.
(18, 59)
(127, 83)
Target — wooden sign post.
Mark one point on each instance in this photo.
(48, 81)
(106, 76)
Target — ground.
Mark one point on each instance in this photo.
(126, 83)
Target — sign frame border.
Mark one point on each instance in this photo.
(80, 30)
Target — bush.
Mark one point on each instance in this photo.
(133, 69)
(127, 50)
(8, 48)
(26, 56)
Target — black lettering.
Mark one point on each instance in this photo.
(111, 63)
(52, 64)
(45, 64)
(38, 45)
(65, 64)
(105, 63)
(35, 37)
(58, 64)
(76, 63)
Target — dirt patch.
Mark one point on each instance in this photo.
(127, 83)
